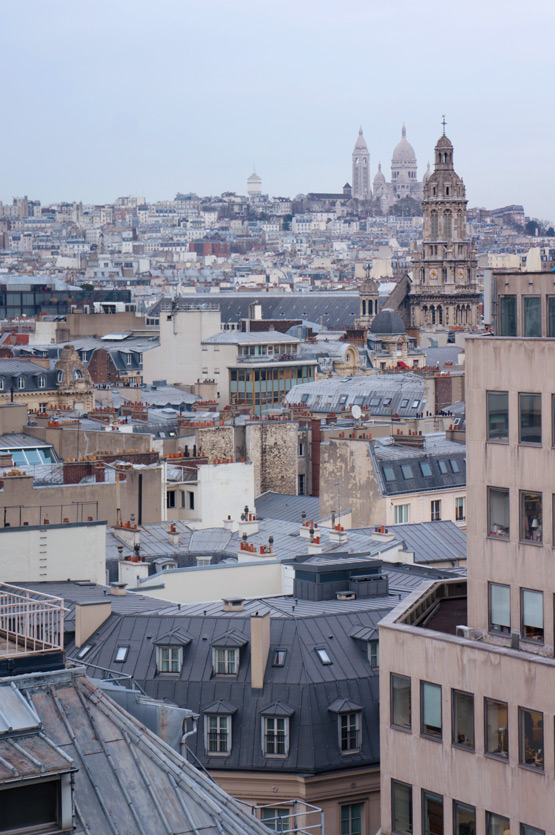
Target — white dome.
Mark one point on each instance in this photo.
(379, 178)
(404, 152)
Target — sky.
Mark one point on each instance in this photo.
(150, 97)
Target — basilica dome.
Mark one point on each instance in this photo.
(404, 152)
(379, 178)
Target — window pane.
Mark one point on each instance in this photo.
(351, 819)
(498, 415)
(400, 701)
(497, 824)
(401, 808)
(460, 509)
(497, 734)
(532, 325)
(507, 316)
(430, 695)
(464, 819)
(277, 819)
(498, 512)
(530, 830)
(530, 516)
(551, 316)
(401, 514)
(530, 418)
(463, 719)
(499, 608)
(531, 609)
(426, 469)
(432, 814)
(530, 728)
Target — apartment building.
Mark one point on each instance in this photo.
(467, 721)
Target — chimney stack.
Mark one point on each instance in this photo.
(260, 647)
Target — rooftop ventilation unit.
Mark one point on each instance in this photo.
(346, 595)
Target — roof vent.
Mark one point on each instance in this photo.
(233, 604)
(346, 595)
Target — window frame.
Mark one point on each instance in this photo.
(228, 732)
(161, 662)
(503, 629)
(521, 753)
(501, 819)
(459, 806)
(522, 394)
(537, 641)
(521, 517)
(462, 745)
(428, 795)
(399, 512)
(227, 662)
(348, 734)
(462, 500)
(407, 727)
(489, 438)
(526, 299)
(495, 755)
(280, 736)
(121, 654)
(436, 737)
(408, 786)
(435, 510)
(373, 651)
(490, 534)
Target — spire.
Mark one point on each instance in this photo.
(404, 131)
(443, 122)
(360, 131)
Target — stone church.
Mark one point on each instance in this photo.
(443, 290)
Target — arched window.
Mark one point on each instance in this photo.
(435, 225)
(440, 315)
(448, 225)
(370, 307)
(1, 384)
(77, 374)
(433, 312)
(60, 376)
(363, 307)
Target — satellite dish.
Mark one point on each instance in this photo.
(356, 412)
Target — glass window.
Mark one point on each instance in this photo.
(121, 654)
(464, 819)
(499, 608)
(530, 516)
(435, 510)
(530, 830)
(323, 656)
(498, 512)
(425, 469)
(497, 730)
(463, 719)
(530, 732)
(276, 735)
(460, 509)
(400, 701)
(432, 814)
(430, 709)
(170, 498)
(351, 819)
(349, 731)
(497, 824)
(33, 456)
(406, 469)
(530, 418)
(497, 415)
(401, 514)
(454, 465)
(169, 659)
(226, 661)
(551, 316)
(507, 316)
(277, 820)
(374, 653)
(442, 467)
(279, 658)
(532, 316)
(415, 404)
(531, 615)
(218, 734)
(389, 475)
(401, 808)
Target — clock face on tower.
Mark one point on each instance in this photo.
(460, 272)
(433, 273)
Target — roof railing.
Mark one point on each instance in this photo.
(30, 621)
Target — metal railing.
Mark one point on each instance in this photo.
(290, 817)
(30, 621)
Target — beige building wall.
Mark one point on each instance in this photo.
(53, 553)
(419, 505)
(220, 490)
(194, 585)
(179, 358)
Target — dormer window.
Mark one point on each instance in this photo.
(21, 382)
(60, 376)
(276, 721)
(77, 374)
(226, 662)
(169, 659)
(1, 384)
(42, 381)
(349, 716)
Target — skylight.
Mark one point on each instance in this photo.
(323, 656)
(121, 654)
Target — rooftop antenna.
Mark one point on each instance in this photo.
(443, 122)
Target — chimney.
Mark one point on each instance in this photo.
(118, 589)
(173, 535)
(88, 617)
(233, 604)
(260, 647)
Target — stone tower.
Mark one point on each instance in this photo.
(369, 301)
(444, 291)
(361, 169)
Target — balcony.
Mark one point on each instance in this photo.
(31, 631)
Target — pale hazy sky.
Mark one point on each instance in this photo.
(112, 97)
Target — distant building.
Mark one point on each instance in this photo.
(361, 169)
(254, 185)
(404, 176)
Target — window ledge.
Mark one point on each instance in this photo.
(501, 758)
(401, 728)
(461, 747)
(432, 738)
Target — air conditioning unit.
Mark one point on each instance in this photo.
(515, 640)
(463, 632)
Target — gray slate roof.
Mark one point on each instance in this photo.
(128, 779)
(401, 469)
(380, 394)
(287, 507)
(432, 541)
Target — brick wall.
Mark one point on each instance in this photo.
(101, 367)
(272, 449)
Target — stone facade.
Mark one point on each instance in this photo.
(361, 169)
(272, 448)
(444, 290)
(404, 176)
(74, 383)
